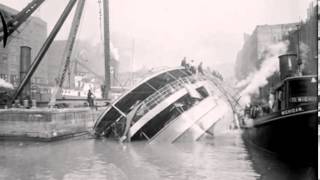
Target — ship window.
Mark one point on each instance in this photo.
(302, 90)
(4, 58)
(203, 92)
(302, 87)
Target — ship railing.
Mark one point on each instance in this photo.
(161, 94)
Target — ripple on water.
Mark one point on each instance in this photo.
(222, 157)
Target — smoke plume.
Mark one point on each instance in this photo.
(303, 50)
(245, 82)
(5, 84)
(270, 65)
(114, 52)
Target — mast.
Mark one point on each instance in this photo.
(106, 48)
(298, 50)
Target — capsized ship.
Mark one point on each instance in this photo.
(170, 105)
(289, 127)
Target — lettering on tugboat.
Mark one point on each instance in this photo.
(303, 99)
(290, 111)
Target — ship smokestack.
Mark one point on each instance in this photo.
(25, 61)
(288, 65)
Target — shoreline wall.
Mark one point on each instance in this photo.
(46, 124)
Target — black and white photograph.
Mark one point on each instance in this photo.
(159, 90)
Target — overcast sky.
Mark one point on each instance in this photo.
(166, 30)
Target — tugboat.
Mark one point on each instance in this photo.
(169, 105)
(289, 129)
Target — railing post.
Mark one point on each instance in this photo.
(122, 113)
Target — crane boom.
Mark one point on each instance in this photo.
(68, 51)
(12, 25)
(44, 49)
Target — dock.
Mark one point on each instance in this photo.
(44, 124)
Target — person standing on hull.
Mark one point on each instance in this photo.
(186, 65)
(90, 97)
(184, 62)
(200, 69)
(193, 67)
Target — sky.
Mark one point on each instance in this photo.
(162, 32)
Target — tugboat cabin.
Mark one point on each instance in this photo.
(295, 90)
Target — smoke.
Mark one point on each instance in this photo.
(245, 81)
(303, 50)
(96, 51)
(114, 52)
(270, 65)
(5, 84)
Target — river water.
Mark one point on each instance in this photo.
(223, 157)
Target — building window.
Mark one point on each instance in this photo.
(13, 79)
(274, 38)
(40, 80)
(4, 77)
(4, 58)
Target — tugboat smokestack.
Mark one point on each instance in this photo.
(289, 65)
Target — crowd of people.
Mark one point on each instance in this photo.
(192, 67)
(255, 111)
(217, 74)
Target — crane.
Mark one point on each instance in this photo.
(68, 51)
(44, 48)
(13, 24)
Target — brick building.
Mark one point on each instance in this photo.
(33, 34)
(249, 58)
(305, 37)
(301, 34)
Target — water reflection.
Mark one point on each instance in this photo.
(271, 167)
(222, 157)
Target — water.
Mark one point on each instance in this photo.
(223, 157)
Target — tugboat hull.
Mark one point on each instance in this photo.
(292, 137)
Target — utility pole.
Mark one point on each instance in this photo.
(298, 49)
(106, 48)
(299, 60)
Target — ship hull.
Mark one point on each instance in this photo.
(292, 138)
